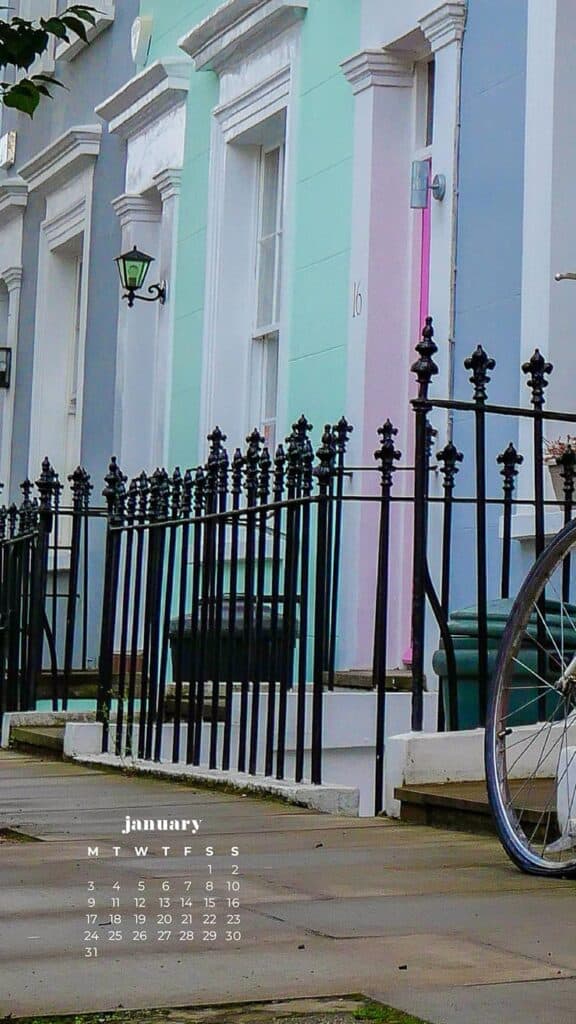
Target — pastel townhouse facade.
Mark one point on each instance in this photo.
(57, 244)
(58, 288)
(269, 153)
(515, 232)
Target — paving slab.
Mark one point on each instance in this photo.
(438, 923)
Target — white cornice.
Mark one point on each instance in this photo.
(445, 24)
(369, 69)
(103, 18)
(168, 182)
(146, 97)
(12, 277)
(254, 106)
(13, 198)
(69, 154)
(65, 225)
(236, 28)
(134, 209)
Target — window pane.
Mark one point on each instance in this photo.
(270, 185)
(271, 377)
(266, 276)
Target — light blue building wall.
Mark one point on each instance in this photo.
(489, 249)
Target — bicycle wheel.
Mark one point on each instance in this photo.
(530, 747)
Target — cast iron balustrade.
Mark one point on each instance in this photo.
(224, 608)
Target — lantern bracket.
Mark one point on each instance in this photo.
(156, 291)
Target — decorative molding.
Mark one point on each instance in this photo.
(62, 159)
(238, 27)
(268, 97)
(445, 25)
(146, 97)
(134, 209)
(12, 277)
(168, 183)
(65, 225)
(370, 69)
(13, 198)
(104, 17)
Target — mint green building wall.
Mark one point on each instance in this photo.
(318, 302)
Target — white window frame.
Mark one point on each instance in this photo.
(237, 117)
(266, 338)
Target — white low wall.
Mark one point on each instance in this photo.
(348, 758)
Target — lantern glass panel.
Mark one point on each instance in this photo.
(133, 267)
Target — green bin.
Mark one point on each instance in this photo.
(463, 626)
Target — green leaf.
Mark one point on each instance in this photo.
(46, 78)
(55, 27)
(76, 26)
(24, 96)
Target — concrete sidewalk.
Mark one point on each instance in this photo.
(434, 922)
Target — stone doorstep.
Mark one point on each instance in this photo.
(463, 805)
(44, 737)
(397, 680)
(341, 801)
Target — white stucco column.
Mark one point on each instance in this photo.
(380, 239)
(12, 277)
(135, 443)
(379, 338)
(168, 183)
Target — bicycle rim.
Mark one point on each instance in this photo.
(531, 722)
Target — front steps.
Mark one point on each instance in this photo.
(398, 680)
(45, 739)
(463, 806)
(454, 805)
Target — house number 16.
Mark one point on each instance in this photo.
(357, 301)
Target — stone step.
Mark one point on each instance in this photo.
(397, 680)
(82, 684)
(463, 805)
(49, 738)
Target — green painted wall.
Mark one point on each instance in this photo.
(318, 307)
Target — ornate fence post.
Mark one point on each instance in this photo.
(425, 368)
(448, 460)
(275, 653)
(324, 473)
(480, 363)
(509, 459)
(387, 455)
(47, 485)
(115, 494)
(341, 432)
(251, 463)
(81, 487)
(537, 369)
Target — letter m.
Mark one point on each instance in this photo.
(93, 851)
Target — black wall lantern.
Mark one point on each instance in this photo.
(133, 268)
(5, 367)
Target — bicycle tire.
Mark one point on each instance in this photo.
(533, 635)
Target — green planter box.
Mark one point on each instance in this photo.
(463, 626)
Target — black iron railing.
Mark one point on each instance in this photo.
(223, 603)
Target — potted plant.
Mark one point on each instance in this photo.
(557, 454)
